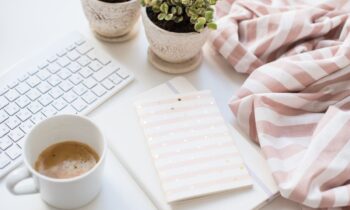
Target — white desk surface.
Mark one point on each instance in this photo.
(28, 26)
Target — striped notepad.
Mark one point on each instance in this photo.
(192, 150)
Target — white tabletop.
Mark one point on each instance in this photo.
(28, 26)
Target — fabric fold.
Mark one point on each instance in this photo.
(295, 103)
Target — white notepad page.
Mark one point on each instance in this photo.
(190, 144)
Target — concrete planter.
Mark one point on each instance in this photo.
(176, 50)
(111, 20)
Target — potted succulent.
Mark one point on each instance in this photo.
(176, 31)
(112, 20)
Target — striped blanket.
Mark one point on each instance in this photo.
(295, 103)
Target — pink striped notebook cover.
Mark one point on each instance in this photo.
(191, 147)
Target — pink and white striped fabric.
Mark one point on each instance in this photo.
(296, 101)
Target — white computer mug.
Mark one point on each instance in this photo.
(61, 193)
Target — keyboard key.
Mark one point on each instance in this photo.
(70, 47)
(49, 111)
(12, 109)
(34, 107)
(107, 84)
(99, 90)
(45, 100)
(80, 41)
(43, 74)
(24, 114)
(14, 151)
(96, 55)
(84, 48)
(23, 77)
(3, 102)
(33, 71)
(79, 105)
(104, 73)
(80, 89)
(23, 101)
(74, 67)
(33, 94)
(59, 104)
(3, 130)
(13, 122)
(95, 65)
(44, 87)
(23, 88)
(16, 134)
(3, 90)
(33, 81)
(76, 79)
(52, 59)
(90, 82)
(4, 160)
(73, 55)
(43, 64)
(85, 72)
(115, 78)
(20, 143)
(3, 116)
(89, 97)
(54, 68)
(54, 80)
(56, 92)
(83, 61)
(123, 74)
(70, 97)
(38, 118)
(12, 95)
(61, 52)
(66, 86)
(64, 74)
(68, 110)
(5, 142)
(26, 126)
(63, 61)
(12, 84)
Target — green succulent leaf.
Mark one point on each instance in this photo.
(201, 21)
(164, 8)
(179, 10)
(212, 26)
(193, 20)
(198, 27)
(161, 16)
(185, 2)
(173, 10)
(169, 17)
(178, 19)
(209, 15)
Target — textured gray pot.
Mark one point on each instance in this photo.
(111, 19)
(170, 46)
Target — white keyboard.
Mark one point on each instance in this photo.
(72, 76)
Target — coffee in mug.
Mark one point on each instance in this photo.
(66, 160)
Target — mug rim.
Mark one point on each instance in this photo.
(75, 178)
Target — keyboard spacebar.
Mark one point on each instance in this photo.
(105, 72)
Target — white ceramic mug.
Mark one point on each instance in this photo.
(61, 193)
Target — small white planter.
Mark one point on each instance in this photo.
(111, 20)
(173, 52)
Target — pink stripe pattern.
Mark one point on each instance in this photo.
(295, 103)
(191, 147)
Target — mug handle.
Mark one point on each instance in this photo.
(17, 176)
